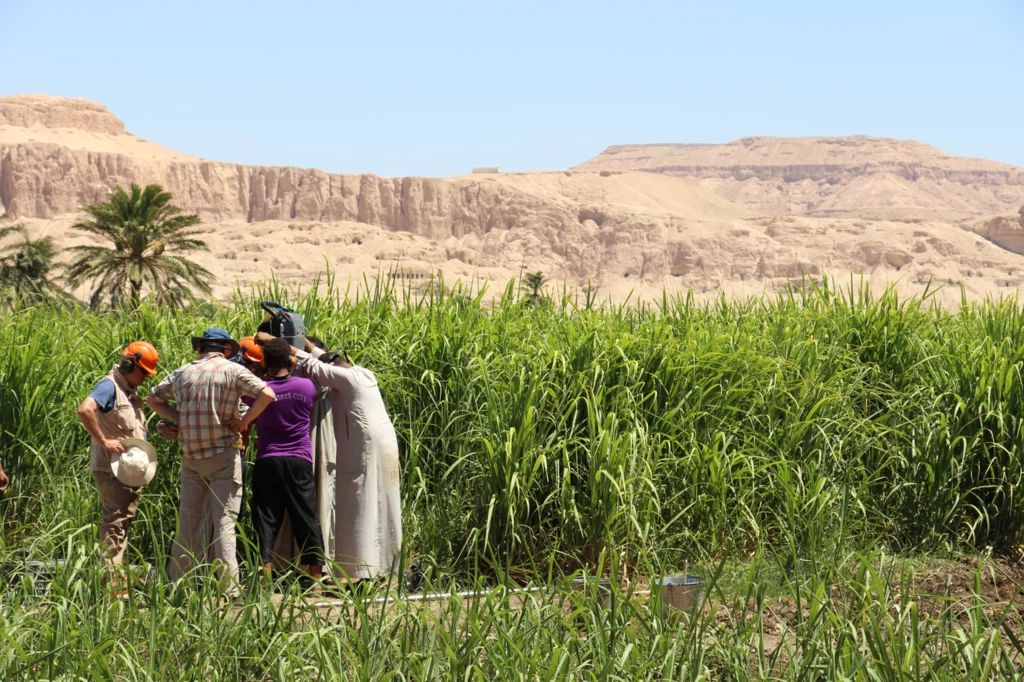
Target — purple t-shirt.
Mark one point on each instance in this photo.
(283, 428)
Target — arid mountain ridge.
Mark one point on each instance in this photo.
(832, 176)
(741, 217)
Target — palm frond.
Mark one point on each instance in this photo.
(25, 268)
(148, 234)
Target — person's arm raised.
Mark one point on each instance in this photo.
(322, 373)
(263, 400)
(262, 338)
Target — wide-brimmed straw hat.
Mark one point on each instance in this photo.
(136, 466)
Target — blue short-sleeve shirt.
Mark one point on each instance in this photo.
(104, 395)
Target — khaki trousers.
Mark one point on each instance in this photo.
(119, 506)
(211, 497)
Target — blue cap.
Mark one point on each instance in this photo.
(217, 337)
(216, 333)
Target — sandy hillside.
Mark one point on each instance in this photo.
(865, 177)
(75, 124)
(631, 233)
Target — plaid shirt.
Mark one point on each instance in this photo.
(207, 392)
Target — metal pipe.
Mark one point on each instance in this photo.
(422, 597)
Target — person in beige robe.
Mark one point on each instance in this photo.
(368, 495)
(367, 491)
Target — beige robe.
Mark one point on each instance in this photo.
(325, 453)
(368, 530)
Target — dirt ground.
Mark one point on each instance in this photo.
(936, 584)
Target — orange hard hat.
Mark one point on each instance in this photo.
(250, 351)
(143, 354)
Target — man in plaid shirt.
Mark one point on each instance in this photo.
(207, 392)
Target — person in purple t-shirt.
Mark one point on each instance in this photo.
(282, 478)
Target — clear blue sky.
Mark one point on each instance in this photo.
(434, 88)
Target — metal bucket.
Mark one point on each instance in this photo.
(599, 589)
(680, 593)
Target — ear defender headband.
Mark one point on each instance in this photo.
(331, 357)
(128, 364)
(209, 343)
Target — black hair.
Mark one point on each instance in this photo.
(316, 342)
(277, 354)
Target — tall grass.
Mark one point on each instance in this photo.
(541, 439)
(864, 624)
(539, 434)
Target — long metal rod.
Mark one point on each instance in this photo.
(434, 596)
(441, 595)
(421, 597)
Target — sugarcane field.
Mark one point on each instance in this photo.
(511, 342)
(834, 471)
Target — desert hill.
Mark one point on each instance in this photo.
(866, 177)
(633, 232)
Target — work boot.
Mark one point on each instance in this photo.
(311, 586)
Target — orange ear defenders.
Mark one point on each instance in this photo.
(139, 354)
(253, 353)
(250, 351)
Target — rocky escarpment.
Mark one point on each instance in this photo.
(1005, 231)
(55, 157)
(44, 180)
(834, 174)
(728, 225)
(581, 225)
(853, 176)
(47, 111)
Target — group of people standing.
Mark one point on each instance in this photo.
(302, 402)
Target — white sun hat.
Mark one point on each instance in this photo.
(136, 466)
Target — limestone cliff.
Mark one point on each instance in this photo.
(47, 111)
(58, 154)
(41, 180)
(632, 233)
(832, 176)
(1006, 231)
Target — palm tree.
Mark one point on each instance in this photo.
(25, 267)
(148, 234)
(533, 282)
